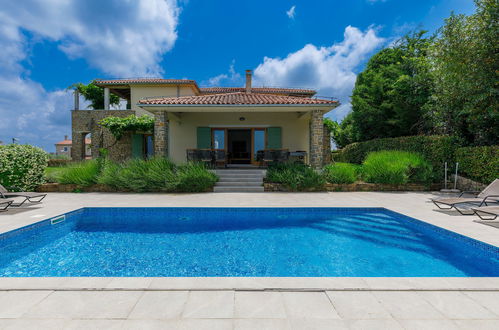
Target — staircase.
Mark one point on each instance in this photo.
(239, 180)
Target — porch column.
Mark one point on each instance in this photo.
(106, 98)
(316, 139)
(161, 134)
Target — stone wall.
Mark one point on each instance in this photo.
(86, 121)
(465, 184)
(326, 148)
(316, 139)
(270, 186)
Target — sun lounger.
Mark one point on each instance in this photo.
(489, 195)
(487, 212)
(32, 197)
(5, 203)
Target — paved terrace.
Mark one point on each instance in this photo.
(251, 303)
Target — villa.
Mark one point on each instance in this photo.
(239, 122)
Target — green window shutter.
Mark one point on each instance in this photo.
(137, 145)
(204, 138)
(274, 138)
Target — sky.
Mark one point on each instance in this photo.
(47, 45)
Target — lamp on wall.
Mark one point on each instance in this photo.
(242, 119)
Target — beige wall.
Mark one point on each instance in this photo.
(183, 132)
(141, 91)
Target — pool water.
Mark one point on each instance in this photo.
(241, 242)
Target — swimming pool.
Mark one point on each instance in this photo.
(241, 242)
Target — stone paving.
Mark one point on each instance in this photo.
(251, 303)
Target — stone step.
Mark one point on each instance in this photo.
(237, 179)
(253, 172)
(238, 189)
(238, 183)
(241, 176)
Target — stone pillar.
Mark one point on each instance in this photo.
(78, 146)
(326, 155)
(77, 99)
(316, 139)
(160, 134)
(106, 98)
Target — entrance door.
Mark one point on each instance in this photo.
(239, 146)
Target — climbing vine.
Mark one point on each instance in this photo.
(121, 125)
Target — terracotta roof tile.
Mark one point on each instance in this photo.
(70, 142)
(235, 99)
(143, 81)
(269, 90)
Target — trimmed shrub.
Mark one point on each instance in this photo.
(340, 173)
(295, 177)
(479, 163)
(436, 149)
(82, 173)
(396, 167)
(194, 177)
(22, 166)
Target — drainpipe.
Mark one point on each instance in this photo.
(248, 81)
(106, 98)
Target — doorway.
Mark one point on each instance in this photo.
(239, 146)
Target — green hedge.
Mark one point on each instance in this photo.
(22, 166)
(479, 163)
(435, 149)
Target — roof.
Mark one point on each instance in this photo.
(70, 142)
(240, 98)
(134, 81)
(264, 90)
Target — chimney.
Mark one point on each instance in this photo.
(65, 137)
(248, 81)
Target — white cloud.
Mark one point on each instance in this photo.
(329, 70)
(120, 38)
(291, 12)
(232, 78)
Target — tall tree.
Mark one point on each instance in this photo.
(465, 57)
(389, 95)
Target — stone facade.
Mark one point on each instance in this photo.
(316, 139)
(161, 134)
(326, 154)
(86, 122)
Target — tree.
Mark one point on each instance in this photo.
(465, 57)
(389, 95)
(95, 95)
(341, 133)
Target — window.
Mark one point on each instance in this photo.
(65, 149)
(219, 139)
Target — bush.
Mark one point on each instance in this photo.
(195, 177)
(295, 177)
(340, 173)
(22, 166)
(396, 167)
(436, 149)
(83, 173)
(479, 163)
(156, 174)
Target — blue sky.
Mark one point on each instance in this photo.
(47, 45)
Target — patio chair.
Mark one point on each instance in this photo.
(191, 155)
(32, 197)
(220, 157)
(487, 212)
(5, 203)
(489, 195)
(205, 155)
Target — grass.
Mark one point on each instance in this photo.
(83, 173)
(396, 167)
(341, 173)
